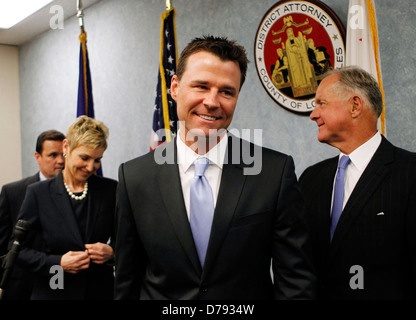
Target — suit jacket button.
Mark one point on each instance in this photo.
(203, 289)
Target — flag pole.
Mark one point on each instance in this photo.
(80, 15)
(83, 40)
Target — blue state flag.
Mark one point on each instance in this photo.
(85, 100)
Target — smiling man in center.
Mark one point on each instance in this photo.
(206, 96)
(202, 228)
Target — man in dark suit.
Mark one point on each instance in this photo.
(254, 210)
(48, 154)
(369, 251)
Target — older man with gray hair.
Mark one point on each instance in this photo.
(361, 205)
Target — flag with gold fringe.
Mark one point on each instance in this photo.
(165, 116)
(85, 100)
(362, 44)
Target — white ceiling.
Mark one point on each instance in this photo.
(39, 22)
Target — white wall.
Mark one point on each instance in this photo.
(124, 45)
(10, 145)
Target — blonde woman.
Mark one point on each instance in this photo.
(70, 245)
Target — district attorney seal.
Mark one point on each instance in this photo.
(296, 43)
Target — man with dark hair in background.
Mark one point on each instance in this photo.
(49, 156)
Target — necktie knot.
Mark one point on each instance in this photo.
(201, 165)
(343, 162)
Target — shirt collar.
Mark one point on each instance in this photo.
(361, 156)
(42, 177)
(186, 156)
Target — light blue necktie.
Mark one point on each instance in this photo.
(202, 208)
(338, 193)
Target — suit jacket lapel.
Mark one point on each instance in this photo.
(232, 181)
(371, 178)
(63, 204)
(324, 197)
(169, 183)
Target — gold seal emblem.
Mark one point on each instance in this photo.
(296, 43)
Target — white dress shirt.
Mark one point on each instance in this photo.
(42, 177)
(360, 158)
(186, 157)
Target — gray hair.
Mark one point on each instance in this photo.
(353, 79)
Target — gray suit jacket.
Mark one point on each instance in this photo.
(258, 218)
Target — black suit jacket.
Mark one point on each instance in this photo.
(19, 286)
(11, 199)
(376, 230)
(55, 231)
(257, 218)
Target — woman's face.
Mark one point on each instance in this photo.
(82, 161)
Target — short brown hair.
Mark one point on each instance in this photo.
(226, 50)
(53, 135)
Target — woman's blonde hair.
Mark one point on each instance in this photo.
(87, 132)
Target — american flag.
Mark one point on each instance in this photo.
(165, 117)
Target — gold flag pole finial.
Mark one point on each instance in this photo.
(80, 15)
(168, 4)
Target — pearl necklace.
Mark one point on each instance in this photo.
(73, 196)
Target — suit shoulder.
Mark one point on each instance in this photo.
(144, 160)
(19, 184)
(317, 168)
(266, 152)
(148, 160)
(41, 186)
(275, 153)
(404, 159)
(405, 154)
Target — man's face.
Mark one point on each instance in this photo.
(332, 115)
(51, 161)
(207, 94)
